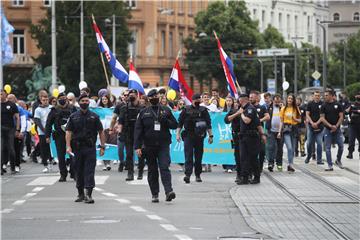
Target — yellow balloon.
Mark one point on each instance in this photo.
(55, 92)
(7, 88)
(33, 130)
(171, 95)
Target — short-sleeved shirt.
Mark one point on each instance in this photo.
(42, 114)
(8, 110)
(250, 112)
(261, 110)
(331, 111)
(302, 109)
(287, 115)
(314, 108)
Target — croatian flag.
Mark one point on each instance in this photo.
(117, 69)
(134, 80)
(178, 83)
(6, 29)
(228, 69)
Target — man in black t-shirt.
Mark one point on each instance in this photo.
(300, 129)
(354, 133)
(332, 116)
(10, 127)
(314, 128)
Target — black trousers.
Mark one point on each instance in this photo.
(129, 146)
(261, 156)
(236, 146)
(7, 147)
(28, 143)
(60, 144)
(158, 158)
(44, 150)
(193, 147)
(18, 143)
(249, 146)
(354, 133)
(142, 159)
(85, 164)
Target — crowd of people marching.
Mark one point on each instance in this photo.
(306, 128)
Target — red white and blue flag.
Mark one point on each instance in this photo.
(134, 79)
(178, 83)
(117, 69)
(228, 69)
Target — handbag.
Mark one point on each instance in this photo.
(287, 128)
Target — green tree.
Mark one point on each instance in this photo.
(273, 38)
(236, 32)
(336, 61)
(352, 90)
(68, 40)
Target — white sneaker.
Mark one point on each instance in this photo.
(104, 168)
(229, 171)
(4, 166)
(17, 169)
(115, 162)
(46, 169)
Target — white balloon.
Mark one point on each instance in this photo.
(285, 85)
(82, 85)
(61, 88)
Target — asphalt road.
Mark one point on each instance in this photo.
(36, 206)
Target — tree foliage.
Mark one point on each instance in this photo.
(68, 40)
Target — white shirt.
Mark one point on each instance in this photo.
(42, 114)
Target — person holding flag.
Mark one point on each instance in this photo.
(178, 83)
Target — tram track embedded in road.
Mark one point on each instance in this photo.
(306, 206)
(329, 184)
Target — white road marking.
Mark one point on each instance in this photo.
(100, 180)
(7, 210)
(19, 202)
(182, 237)
(98, 189)
(62, 220)
(38, 189)
(169, 227)
(101, 221)
(138, 208)
(154, 217)
(28, 195)
(196, 228)
(109, 194)
(121, 200)
(49, 180)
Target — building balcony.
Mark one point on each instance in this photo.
(22, 60)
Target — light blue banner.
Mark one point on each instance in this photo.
(219, 152)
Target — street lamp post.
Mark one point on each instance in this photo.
(262, 75)
(296, 64)
(53, 46)
(344, 63)
(82, 41)
(324, 53)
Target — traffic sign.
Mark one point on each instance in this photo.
(316, 83)
(272, 52)
(316, 75)
(271, 86)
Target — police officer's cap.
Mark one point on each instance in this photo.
(243, 95)
(62, 95)
(83, 95)
(133, 91)
(152, 93)
(196, 96)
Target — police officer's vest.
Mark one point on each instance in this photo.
(195, 123)
(130, 116)
(61, 118)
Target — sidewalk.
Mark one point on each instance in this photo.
(299, 206)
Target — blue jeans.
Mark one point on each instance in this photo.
(313, 137)
(289, 140)
(121, 151)
(337, 136)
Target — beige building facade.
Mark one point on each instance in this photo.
(345, 17)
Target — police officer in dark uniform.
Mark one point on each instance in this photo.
(152, 130)
(127, 118)
(81, 133)
(233, 118)
(250, 129)
(58, 117)
(196, 121)
(354, 133)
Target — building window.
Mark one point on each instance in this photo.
(133, 44)
(272, 18)
(200, 5)
(162, 47)
(18, 3)
(254, 13)
(296, 25)
(47, 3)
(18, 42)
(181, 39)
(171, 46)
(181, 6)
(288, 28)
(131, 4)
(263, 19)
(336, 17)
(356, 17)
(280, 22)
(190, 7)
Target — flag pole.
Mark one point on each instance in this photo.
(102, 58)
(236, 82)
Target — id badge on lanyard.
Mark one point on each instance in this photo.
(157, 126)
